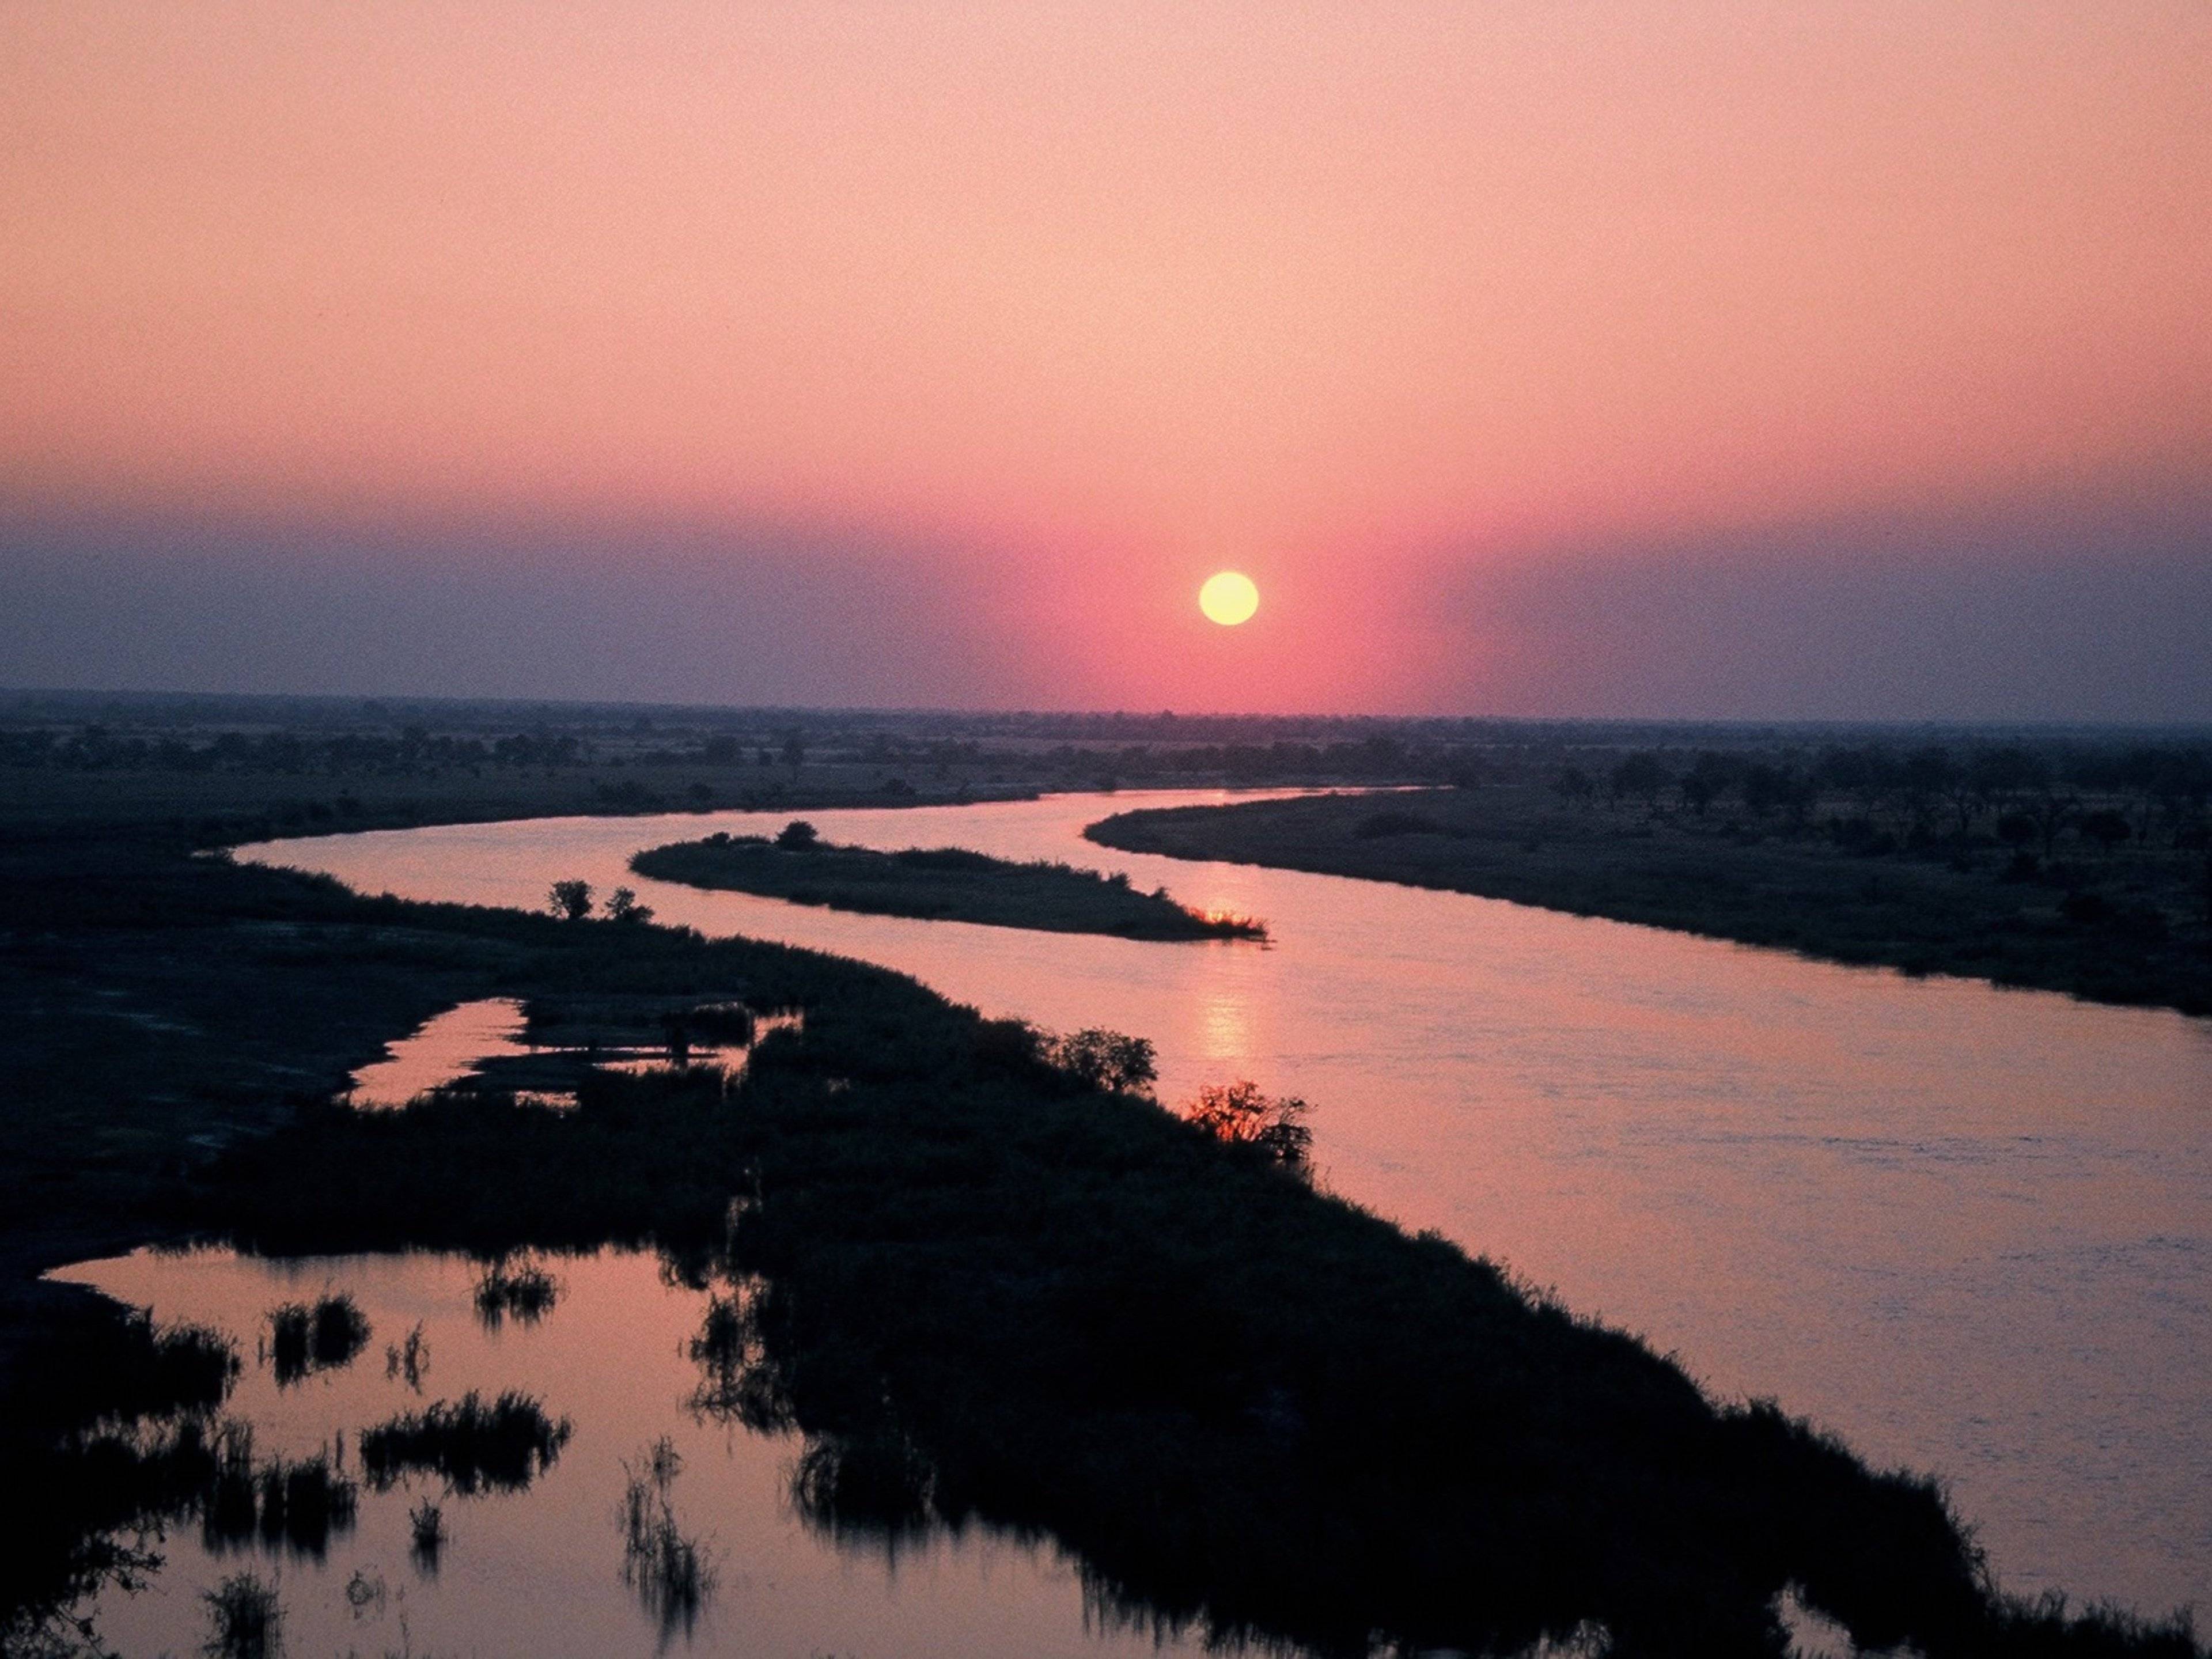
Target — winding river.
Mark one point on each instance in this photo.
(1969, 1230)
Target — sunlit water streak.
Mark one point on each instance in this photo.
(1969, 1229)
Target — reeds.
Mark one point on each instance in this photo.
(521, 1290)
(247, 1618)
(409, 1360)
(426, 1534)
(475, 1445)
(305, 1337)
(297, 1503)
(672, 1572)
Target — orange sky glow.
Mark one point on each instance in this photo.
(1067, 306)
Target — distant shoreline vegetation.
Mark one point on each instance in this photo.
(2085, 870)
(937, 884)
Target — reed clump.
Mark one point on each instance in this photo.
(305, 1338)
(518, 1290)
(248, 1618)
(672, 1572)
(474, 1444)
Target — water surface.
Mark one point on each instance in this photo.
(540, 1572)
(1969, 1229)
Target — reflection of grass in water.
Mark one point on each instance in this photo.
(671, 1573)
(426, 1535)
(1235, 1399)
(248, 1619)
(409, 1360)
(476, 1446)
(299, 1503)
(325, 1336)
(523, 1291)
(733, 1386)
(876, 1484)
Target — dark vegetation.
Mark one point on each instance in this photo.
(248, 1617)
(672, 1572)
(987, 1293)
(946, 884)
(2074, 867)
(521, 1290)
(473, 1444)
(983, 1289)
(303, 1339)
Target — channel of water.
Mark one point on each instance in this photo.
(1968, 1229)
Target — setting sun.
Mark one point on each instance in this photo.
(1229, 597)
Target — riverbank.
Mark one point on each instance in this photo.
(944, 883)
(985, 1291)
(2116, 927)
(1238, 1400)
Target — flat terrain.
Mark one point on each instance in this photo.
(2121, 924)
(993, 1291)
(945, 884)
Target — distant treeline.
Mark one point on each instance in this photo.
(2024, 796)
(93, 747)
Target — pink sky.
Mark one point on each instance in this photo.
(1056, 308)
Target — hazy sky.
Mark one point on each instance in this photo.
(1696, 358)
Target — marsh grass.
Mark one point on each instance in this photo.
(298, 1504)
(522, 1291)
(473, 1445)
(876, 1484)
(943, 884)
(426, 1535)
(672, 1572)
(985, 1294)
(247, 1619)
(408, 1361)
(304, 1338)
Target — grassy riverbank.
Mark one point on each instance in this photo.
(985, 1291)
(2107, 924)
(944, 883)
(982, 1289)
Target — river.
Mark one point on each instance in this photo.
(1969, 1229)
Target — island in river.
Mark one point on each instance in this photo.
(946, 884)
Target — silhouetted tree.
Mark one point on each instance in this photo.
(1573, 786)
(571, 900)
(623, 906)
(1105, 1060)
(798, 836)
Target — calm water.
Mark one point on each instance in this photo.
(1969, 1229)
(541, 1572)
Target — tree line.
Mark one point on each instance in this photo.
(2108, 796)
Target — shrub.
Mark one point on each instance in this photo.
(1239, 1113)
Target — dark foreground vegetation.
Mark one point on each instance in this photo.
(2082, 869)
(989, 1293)
(944, 883)
(987, 1289)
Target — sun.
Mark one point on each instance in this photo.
(1229, 597)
